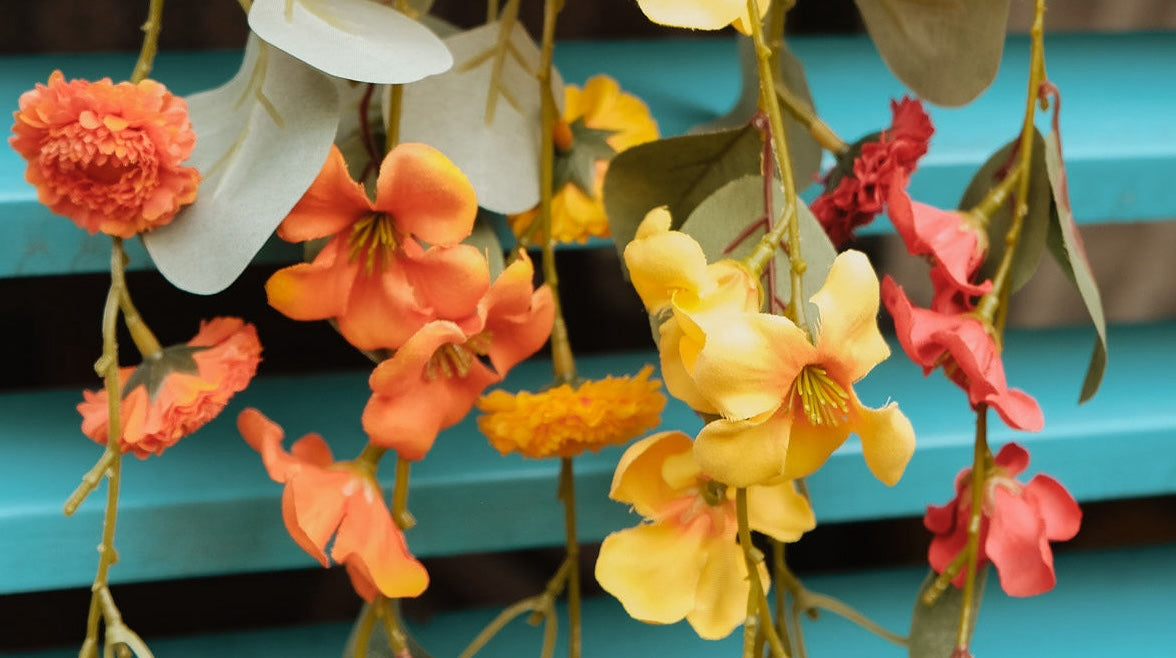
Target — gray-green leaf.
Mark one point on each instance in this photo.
(934, 627)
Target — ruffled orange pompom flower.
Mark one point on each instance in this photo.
(598, 122)
(325, 498)
(684, 561)
(174, 393)
(788, 403)
(684, 295)
(433, 380)
(107, 156)
(373, 276)
(564, 421)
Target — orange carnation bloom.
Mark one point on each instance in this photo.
(374, 277)
(325, 498)
(565, 421)
(107, 156)
(433, 380)
(176, 392)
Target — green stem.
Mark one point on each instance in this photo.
(779, 573)
(400, 514)
(150, 41)
(980, 458)
(756, 594)
(567, 494)
(393, 628)
(363, 634)
(541, 605)
(770, 102)
(812, 600)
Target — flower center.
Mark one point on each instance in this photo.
(455, 359)
(92, 162)
(714, 493)
(372, 241)
(824, 401)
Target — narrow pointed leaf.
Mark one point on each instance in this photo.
(934, 627)
(947, 51)
(1067, 248)
(358, 40)
(1036, 222)
(260, 141)
(449, 111)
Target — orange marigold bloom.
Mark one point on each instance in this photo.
(176, 392)
(107, 156)
(565, 421)
(374, 277)
(325, 498)
(612, 117)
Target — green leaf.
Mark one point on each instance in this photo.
(934, 627)
(803, 150)
(153, 371)
(577, 165)
(261, 139)
(487, 124)
(356, 40)
(679, 172)
(1036, 223)
(1066, 246)
(947, 51)
(486, 240)
(722, 216)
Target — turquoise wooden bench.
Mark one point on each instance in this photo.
(219, 513)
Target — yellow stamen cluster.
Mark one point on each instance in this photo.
(456, 359)
(373, 240)
(824, 401)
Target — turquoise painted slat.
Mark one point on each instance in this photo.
(1106, 603)
(1119, 143)
(212, 498)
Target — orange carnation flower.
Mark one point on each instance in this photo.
(175, 393)
(565, 421)
(325, 498)
(107, 156)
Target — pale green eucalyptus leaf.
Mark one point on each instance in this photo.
(1035, 226)
(1066, 246)
(934, 628)
(486, 240)
(946, 51)
(803, 150)
(487, 124)
(679, 172)
(725, 215)
(360, 40)
(260, 141)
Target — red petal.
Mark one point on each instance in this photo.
(1017, 545)
(1057, 507)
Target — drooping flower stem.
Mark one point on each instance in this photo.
(770, 102)
(779, 570)
(981, 459)
(567, 494)
(541, 606)
(751, 557)
(400, 514)
(150, 41)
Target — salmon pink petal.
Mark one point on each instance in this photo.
(406, 369)
(265, 436)
(516, 337)
(369, 539)
(332, 204)
(940, 519)
(941, 235)
(743, 453)
(449, 280)
(426, 194)
(315, 290)
(1012, 458)
(1017, 545)
(382, 311)
(638, 478)
(312, 508)
(1058, 509)
(653, 570)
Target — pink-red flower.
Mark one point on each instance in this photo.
(324, 498)
(1016, 525)
(107, 156)
(373, 276)
(434, 379)
(174, 393)
(855, 193)
(963, 345)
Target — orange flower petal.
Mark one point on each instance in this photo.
(381, 310)
(451, 280)
(426, 194)
(369, 539)
(312, 508)
(313, 291)
(333, 202)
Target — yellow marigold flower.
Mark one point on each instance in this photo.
(597, 119)
(565, 421)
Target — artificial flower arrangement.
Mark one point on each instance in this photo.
(342, 114)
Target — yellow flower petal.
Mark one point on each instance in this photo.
(848, 339)
(653, 570)
(662, 262)
(779, 511)
(698, 14)
(811, 446)
(721, 601)
(639, 480)
(677, 354)
(743, 453)
(888, 440)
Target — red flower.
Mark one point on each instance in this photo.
(434, 379)
(325, 498)
(107, 156)
(859, 191)
(373, 276)
(963, 346)
(1016, 525)
(176, 392)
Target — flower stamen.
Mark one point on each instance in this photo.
(372, 239)
(825, 402)
(454, 359)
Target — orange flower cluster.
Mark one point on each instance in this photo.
(107, 156)
(188, 386)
